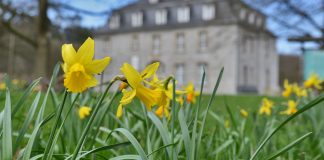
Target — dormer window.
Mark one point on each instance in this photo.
(183, 14)
(114, 22)
(137, 19)
(208, 12)
(259, 22)
(153, 1)
(242, 14)
(161, 17)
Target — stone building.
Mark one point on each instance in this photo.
(186, 36)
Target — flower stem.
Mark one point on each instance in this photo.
(96, 133)
(58, 116)
(91, 120)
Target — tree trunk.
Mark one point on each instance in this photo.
(41, 57)
(42, 49)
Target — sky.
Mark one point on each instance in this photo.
(283, 46)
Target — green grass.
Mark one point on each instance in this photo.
(140, 134)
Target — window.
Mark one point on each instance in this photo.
(251, 18)
(242, 14)
(180, 42)
(183, 14)
(208, 12)
(135, 43)
(259, 22)
(203, 41)
(114, 22)
(135, 62)
(153, 1)
(180, 73)
(201, 68)
(161, 17)
(137, 19)
(156, 44)
(268, 75)
(245, 75)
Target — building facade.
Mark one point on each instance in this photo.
(186, 36)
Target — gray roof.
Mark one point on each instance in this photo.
(226, 13)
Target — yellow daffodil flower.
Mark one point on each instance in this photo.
(3, 86)
(15, 81)
(191, 93)
(313, 82)
(227, 124)
(266, 107)
(134, 79)
(244, 113)
(84, 111)
(163, 110)
(180, 100)
(292, 108)
(288, 89)
(300, 92)
(166, 89)
(80, 68)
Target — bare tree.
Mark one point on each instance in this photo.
(36, 12)
(296, 20)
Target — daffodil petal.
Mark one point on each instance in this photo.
(119, 111)
(133, 77)
(86, 51)
(68, 54)
(148, 96)
(97, 66)
(150, 70)
(128, 96)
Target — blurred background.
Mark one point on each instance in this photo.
(260, 43)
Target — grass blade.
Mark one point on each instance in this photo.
(303, 109)
(90, 122)
(206, 112)
(194, 130)
(185, 133)
(25, 95)
(52, 82)
(58, 114)
(104, 148)
(28, 121)
(289, 146)
(134, 142)
(159, 149)
(50, 154)
(29, 146)
(163, 131)
(7, 132)
(136, 157)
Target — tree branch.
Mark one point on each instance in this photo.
(71, 8)
(302, 14)
(23, 37)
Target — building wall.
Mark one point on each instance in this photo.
(257, 63)
(221, 51)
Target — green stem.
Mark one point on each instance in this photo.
(58, 116)
(173, 115)
(89, 124)
(102, 118)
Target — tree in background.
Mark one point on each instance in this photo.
(29, 21)
(296, 20)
